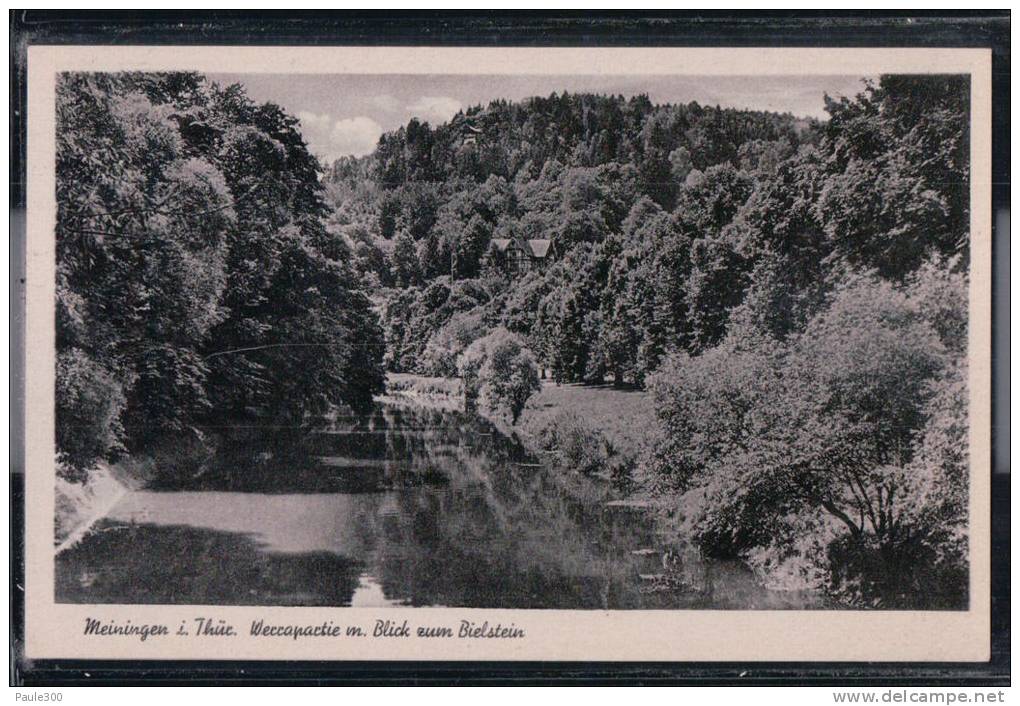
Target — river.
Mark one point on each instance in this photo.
(405, 506)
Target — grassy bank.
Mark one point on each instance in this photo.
(595, 430)
(622, 416)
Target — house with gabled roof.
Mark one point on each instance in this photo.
(522, 255)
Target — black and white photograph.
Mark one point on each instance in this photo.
(504, 355)
(515, 342)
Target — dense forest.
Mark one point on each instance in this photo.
(791, 292)
(196, 279)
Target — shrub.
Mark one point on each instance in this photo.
(908, 573)
(180, 461)
(89, 402)
(858, 422)
(498, 372)
(576, 444)
(446, 344)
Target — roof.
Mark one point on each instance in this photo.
(539, 248)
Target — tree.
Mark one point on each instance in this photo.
(898, 163)
(195, 271)
(561, 317)
(446, 344)
(823, 427)
(389, 211)
(89, 402)
(715, 284)
(622, 321)
(405, 260)
(499, 373)
(141, 253)
(470, 247)
(859, 378)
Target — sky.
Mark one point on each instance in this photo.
(344, 114)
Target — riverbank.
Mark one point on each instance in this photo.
(79, 506)
(623, 416)
(596, 430)
(444, 394)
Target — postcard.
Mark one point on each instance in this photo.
(594, 354)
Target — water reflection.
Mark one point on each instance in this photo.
(172, 564)
(370, 594)
(405, 506)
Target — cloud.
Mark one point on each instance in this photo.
(313, 122)
(356, 136)
(331, 138)
(436, 109)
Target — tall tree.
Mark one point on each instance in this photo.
(194, 268)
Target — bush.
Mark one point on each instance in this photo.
(399, 383)
(89, 402)
(857, 423)
(446, 344)
(576, 444)
(180, 461)
(498, 372)
(910, 573)
(580, 447)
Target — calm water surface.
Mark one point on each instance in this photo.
(405, 506)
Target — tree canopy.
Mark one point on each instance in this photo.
(195, 272)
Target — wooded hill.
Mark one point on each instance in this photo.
(662, 219)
